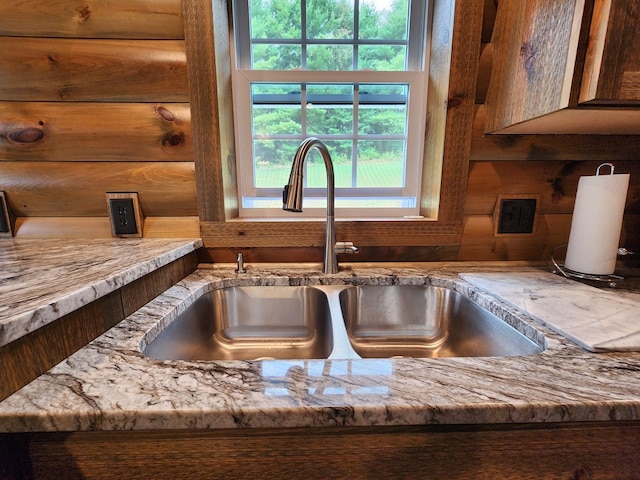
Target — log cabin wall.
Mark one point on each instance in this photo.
(544, 166)
(94, 98)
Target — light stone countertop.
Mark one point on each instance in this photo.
(110, 385)
(43, 279)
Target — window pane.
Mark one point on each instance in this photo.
(329, 109)
(275, 19)
(330, 93)
(341, 155)
(398, 91)
(276, 109)
(382, 58)
(381, 163)
(383, 109)
(276, 57)
(276, 120)
(272, 162)
(330, 19)
(382, 120)
(265, 92)
(383, 20)
(330, 57)
(329, 120)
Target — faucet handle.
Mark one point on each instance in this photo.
(346, 247)
(240, 261)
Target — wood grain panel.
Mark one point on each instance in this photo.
(44, 69)
(605, 148)
(612, 54)
(630, 86)
(97, 19)
(213, 133)
(463, 71)
(484, 72)
(535, 47)
(604, 451)
(172, 227)
(310, 233)
(165, 189)
(95, 131)
(488, 19)
(100, 227)
(63, 227)
(368, 253)
(555, 182)
(479, 243)
(136, 295)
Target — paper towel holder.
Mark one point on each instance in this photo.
(610, 165)
(611, 280)
(602, 198)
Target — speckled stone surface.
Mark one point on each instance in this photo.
(110, 385)
(43, 279)
(600, 320)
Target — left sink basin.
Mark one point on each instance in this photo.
(249, 323)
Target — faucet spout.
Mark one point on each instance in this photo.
(292, 196)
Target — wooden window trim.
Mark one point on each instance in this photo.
(454, 61)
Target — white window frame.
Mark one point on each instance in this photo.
(415, 77)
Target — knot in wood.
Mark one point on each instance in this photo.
(453, 102)
(26, 135)
(173, 139)
(528, 53)
(165, 114)
(84, 13)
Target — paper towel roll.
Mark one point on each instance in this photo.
(596, 224)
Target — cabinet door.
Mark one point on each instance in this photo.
(535, 45)
(612, 66)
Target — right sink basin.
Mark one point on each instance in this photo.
(425, 321)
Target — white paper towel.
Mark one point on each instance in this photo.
(596, 224)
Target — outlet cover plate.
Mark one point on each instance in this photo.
(125, 214)
(515, 215)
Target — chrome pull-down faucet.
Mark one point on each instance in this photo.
(292, 200)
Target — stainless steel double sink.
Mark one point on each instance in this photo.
(316, 322)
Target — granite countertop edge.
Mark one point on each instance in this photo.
(44, 280)
(110, 385)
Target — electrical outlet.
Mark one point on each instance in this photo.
(125, 214)
(515, 215)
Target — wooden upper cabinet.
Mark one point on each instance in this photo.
(565, 66)
(612, 65)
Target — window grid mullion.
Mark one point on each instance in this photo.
(303, 33)
(356, 33)
(303, 125)
(354, 143)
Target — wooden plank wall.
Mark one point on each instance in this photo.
(548, 166)
(94, 99)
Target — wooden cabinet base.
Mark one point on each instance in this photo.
(569, 451)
